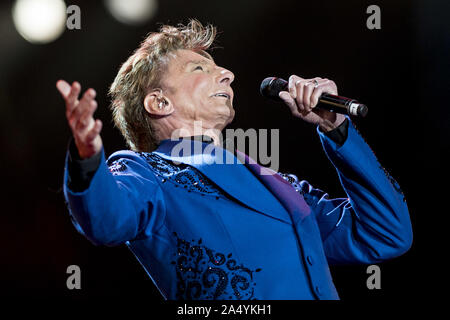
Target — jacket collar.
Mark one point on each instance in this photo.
(227, 171)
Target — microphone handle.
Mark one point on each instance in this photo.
(334, 103)
(342, 105)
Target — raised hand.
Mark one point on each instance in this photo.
(79, 114)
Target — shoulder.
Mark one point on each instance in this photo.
(124, 161)
(127, 160)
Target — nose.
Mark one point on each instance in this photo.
(225, 76)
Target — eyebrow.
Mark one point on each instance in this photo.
(202, 61)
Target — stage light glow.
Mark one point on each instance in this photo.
(39, 21)
(132, 12)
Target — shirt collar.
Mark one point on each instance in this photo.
(202, 138)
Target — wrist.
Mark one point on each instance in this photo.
(86, 152)
(331, 123)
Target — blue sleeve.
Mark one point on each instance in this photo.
(122, 202)
(373, 223)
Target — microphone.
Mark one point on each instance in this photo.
(271, 87)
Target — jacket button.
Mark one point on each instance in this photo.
(310, 260)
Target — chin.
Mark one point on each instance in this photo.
(226, 115)
(229, 114)
(231, 117)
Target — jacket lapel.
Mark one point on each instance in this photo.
(226, 171)
(293, 201)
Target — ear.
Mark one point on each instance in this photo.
(152, 104)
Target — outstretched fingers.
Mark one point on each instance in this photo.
(80, 117)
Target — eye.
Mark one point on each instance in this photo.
(198, 68)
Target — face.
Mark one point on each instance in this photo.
(199, 90)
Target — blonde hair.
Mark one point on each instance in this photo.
(142, 72)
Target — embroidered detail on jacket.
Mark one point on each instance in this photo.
(117, 166)
(181, 175)
(298, 186)
(203, 273)
(293, 180)
(393, 182)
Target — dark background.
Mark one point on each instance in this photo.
(400, 72)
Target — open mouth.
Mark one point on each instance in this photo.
(222, 95)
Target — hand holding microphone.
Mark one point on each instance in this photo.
(318, 95)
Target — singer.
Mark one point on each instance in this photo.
(205, 230)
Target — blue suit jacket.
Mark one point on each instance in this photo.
(206, 230)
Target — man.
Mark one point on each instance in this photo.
(203, 229)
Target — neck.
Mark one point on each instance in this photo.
(195, 129)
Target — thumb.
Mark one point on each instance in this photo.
(285, 96)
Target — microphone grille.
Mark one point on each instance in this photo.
(271, 87)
